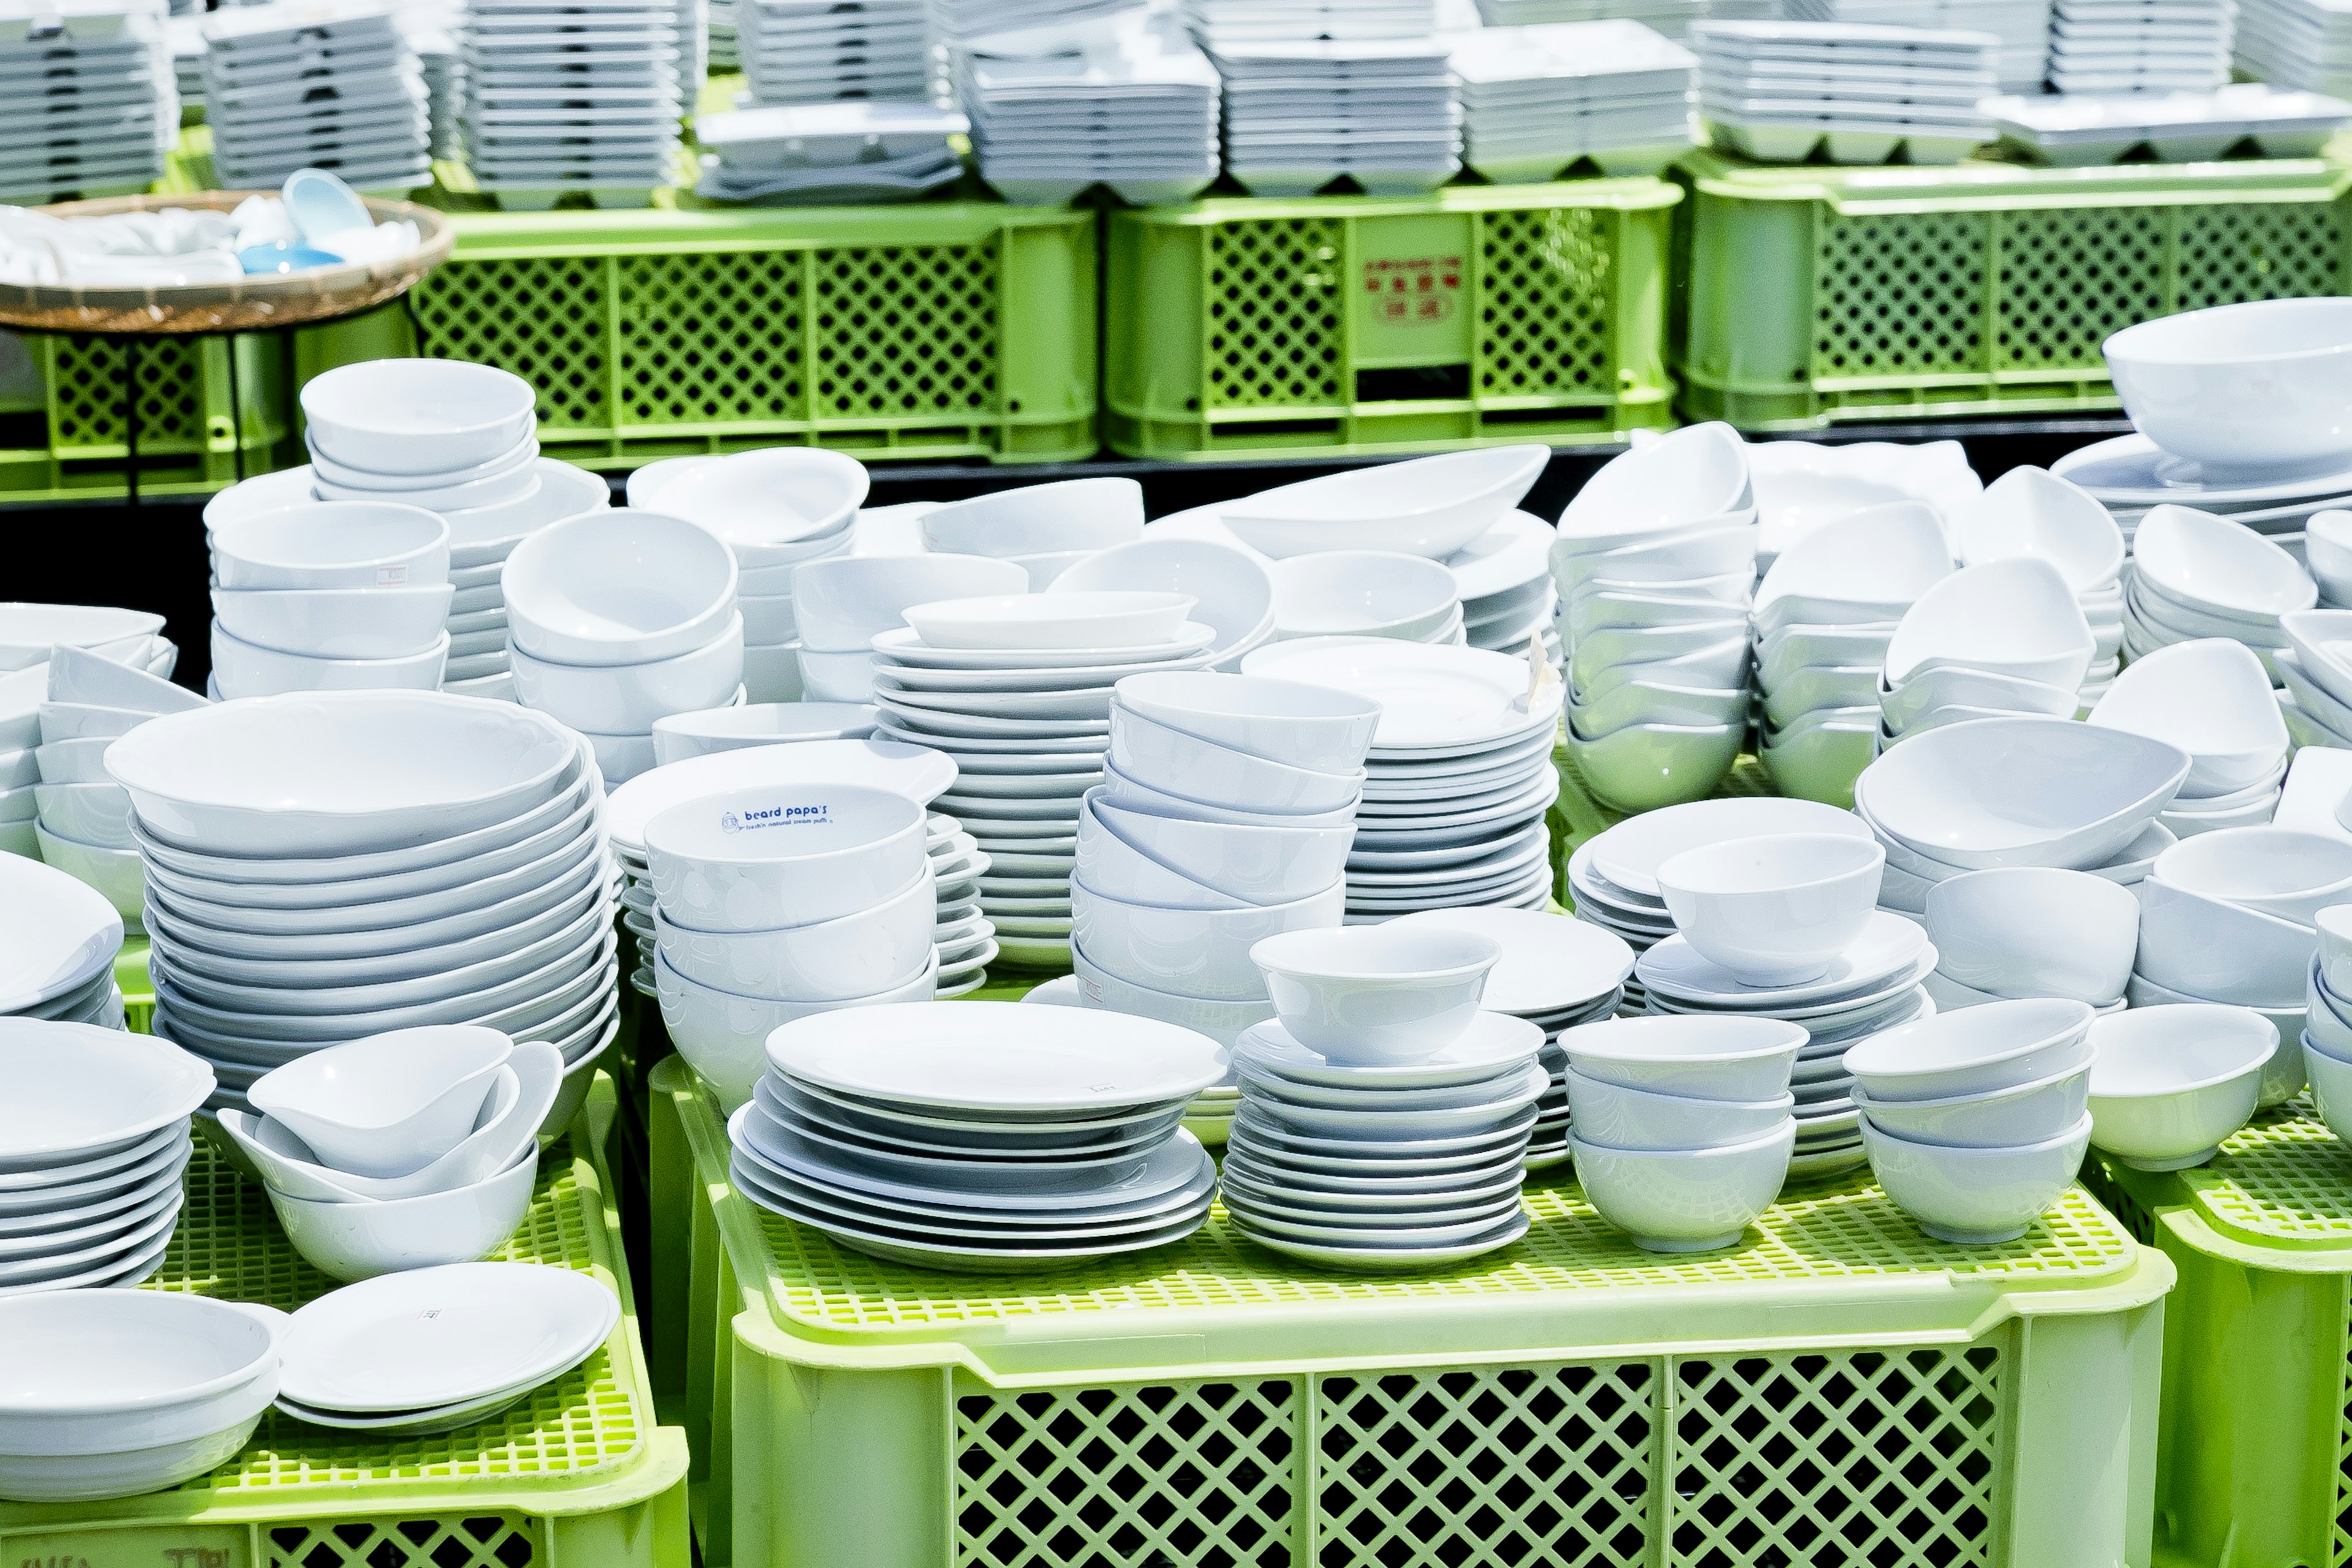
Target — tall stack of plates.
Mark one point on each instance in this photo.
(1221, 22)
(1027, 730)
(1299, 114)
(2304, 44)
(563, 101)
(829, 151)
(445, 90)
(2021, 25)
(83, 827)
(1509, 597)
(1034, 26)
(1535, 99)
(2131, 474)
(981, 1139)
(329, 85)
(1779, 91)
(815, 51)
(92, 104)
(1671, 17)
(1141, 118)
(2140, 45)
(1875, 984)
(1459, 777)
(61, 938)
(185, 33)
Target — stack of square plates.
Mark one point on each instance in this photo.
(1777, 91)
(1222, 23)
(1139, 116)
(2175, 127)
(1671, 17)
(186, 37)
(444, 88)
(829, 151)
(91, 104)
(1300, 114)
(815, 51)
(1535, 99)
(2140, 45)
(2302, 44)
(1034, 26)
(574, 95)
(2021, 25)
(326, 84)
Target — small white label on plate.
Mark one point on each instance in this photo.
(391, 576)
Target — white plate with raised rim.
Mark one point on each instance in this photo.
(1510, 894)
(1381, 1259)
(1425, 832)
(1397, 772)
(765, 1187)
(1420, 805)
(1400, 858)
(1433, 697)
(916, 772)
(45, 1268)
(75, 1231)
(1060, 747)
(903, 645)
(45, 1189)
(1173, 1164)
(1036, 707)
(1889, 945)
(891, 675)
(911, 1248)
(929, 723)
(58, 934)
(1517, 856)
(1842, 1020)
(1039, 785)
(1628, 855)
(2132, 471)
(76, 1092)
(979, 1055)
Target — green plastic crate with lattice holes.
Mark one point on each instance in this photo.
(930, 331)
(1813, 295)
(1480, 314)
(2255, 1451)
(577, 1476)
(1837, 1391)
(64, 425)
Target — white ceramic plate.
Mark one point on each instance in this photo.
(77, 1091)
(1432, 697)
(903, 645)
(977, 1055)
(1889, 946)
(57, 933)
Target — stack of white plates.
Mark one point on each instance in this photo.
(2140, 45)
(84, 823)
(2030, 512)
(337, 863)
(1778, 90)
(2196, 574)
(1460, 774)
(90, 1159)
(560, 101)
(328, 86)
(2295, 44)
(62, 938)
(444, 67)
(1399, 1165)
(979, 1139)
(2174, 127)
(184, 31)
(92, 105)
(1139, 117)
(815, 51)
(829, 151)
(1299, 114)
(1673, 18)
(1536, 99)
(1875, 985)
(841, 604)
(1222, 22)
(1508, 598)
(1034, 26)
(2131, 474)
(1036, 717)
(2021, 25)
(1556, 973)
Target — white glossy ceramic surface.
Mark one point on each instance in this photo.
(2003, 1118)
(2035, 931)
(1247, 862)
(389, 1104)
(2275, 871)
(1168, 760)
(2249, 391)
(1423, 506)
(2211, 697)
(2167, 1084)
(1372, 994)
(1698, 1057)
(1774, 910)
(1040, 621)
(878, 948)
(333, 545)
(2214, 950)
(723, 1035)
(1997, 1046)
(1194, 953)
(1034, 520)
(334, 622)
(777, 505)
(417, 416)
(842, 604)
(2031, 511)
(618, 587)
(1685, 1200)
(2015, 618)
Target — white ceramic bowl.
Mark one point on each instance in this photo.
(1037, 519)
(1685, 1200)
(1134, 796)
(618, 587)
(2015, 618)
(1372, 996)
(1999, 1118)
(2214, 950)
(417, 416)
(1234, 590)
(2330, 1075)
(1611, 1116)
(1860, 569)
(1221, 1021)
(1100, 620)
(878, 948)
(1153, 755)
(1697, 1055)
(1247, 862)
(1317, 727)
(2032, 511)
(1362, 593)
(678, 736)
(2212, 698)
(241, 669)
(336, 623)
(724, 1037)
(1774, 910)
(755, 859)
(2255, 393)
(2274, 871)
(333, 545)
(115, 874)
(1661, 488)
(1684, 555)
(1106, 861)
(836, 676)
(1191, 953)
(2035, 931)
(388, 1104)
(842, 603)
(1997, 1046)
(2215, 568)
(360, 1241)
(1906, 707)
(92, 813)
(1423, 506)
(1975, 1196)
(1644, 767)
(626, 698)
(773, 507)
(2167, 1084)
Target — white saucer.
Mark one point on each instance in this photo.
(1889, 946)
(2132, 471)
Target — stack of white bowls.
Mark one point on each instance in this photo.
(1225, 816)
(31, 636)
(2327, 1022)
(1976, 1122)
(2017, 792)
(1232, 585)
(618, 618)
(336, 864)
(842, 603)
(2212, 699)
(1654, 565)
(780, 903)
(1786, 927)
(2232, 917)
(2025, 931)
(1556, 973)
(1384, 1119)
(2004, 637)
(1613, 877)
(2327, 556)
(62, 938)
(1026, 679)
(774, 509)
(1825, 617)
(406, 1150)
(2033, 512)
(1366, 594)
(2317, 669)
(331, 596)
(1045, 530)
(1459, 776)
(97, 1139)
(84, 823)
(1682, 1128)
(2196, 574)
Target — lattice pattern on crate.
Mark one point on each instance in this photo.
(545, 318)
(1192, 1473)
(2283, 1178)
(2072, 276)
(1843, 1231)
(906, 332)
(1530, 1465)
(2340, 1546)
(2259, 250)
(86, 395)
(485, 1541)
(678, 371)
(2100, 1181)
(1899, 297)
(1274, 306)
(1545, 303)
(1886, 1458)
(230, 1245)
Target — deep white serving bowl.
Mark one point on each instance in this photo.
(1191, 953)
(1981, 1049)
(2035, 931)
(2209, 697)
(2032, 511)
(1698, 1056)
(333, 545)
(841, 604)
(2275, 871)
(1109, 862)
(1774, 910)
(1975, 1196)
(242, 670)
(1376, 994)
(1423, 506)
(617, 586)
(1615, 1117)
(1317, 727)
(1251, 863)
(1362, 593)
(388, 1104)
(1662, 490)
(1997, 1119)
(1152, 754)
(758, 858)
(1037, 519)
(2251, 393)
(773, 507)
(625, 699)
(417, 416)
(2214, 950)
(1685, 1200)
(878, 948)
(2167, 1084)
(360, 1241)
(336, 623)
(2016, 618)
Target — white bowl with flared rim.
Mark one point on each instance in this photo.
(417, 416)
(1686, 477)
(766, 504)
(2031, 511)
(1715, 549)
(615, 587)
(1430, 507)
(1133, 796)
(1883, 556)
(1975, 1196)
(333, 545)
(878, 948)
(2015, 618)
(361, 1241)
(241, 669)
(387, 1104)
(2250, 393)
(678, 736)
(842, 602)
(1776, 909)
(1120, 868)
(2211, 697)
(1685, 1200)
(2028, 1112)
(2215, 950)
(756, 859)
(1908, 705)
(2167, 1084)
(1644, 767)
(1376, 994)
(1697, 1055)
(2272, 870)
(1644, 703)
(2217, 565)
(2035, 931)
(1997, 1046)
(1194, 953)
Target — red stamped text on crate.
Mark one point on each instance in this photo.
(1415, 288)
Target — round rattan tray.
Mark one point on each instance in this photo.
(256, 304)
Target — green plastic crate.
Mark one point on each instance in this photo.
(2255, 1452)
(929, 330)
(62, 431)
(1345, 325)
(1839, 1391)
(578, 1476)
(1817, 295)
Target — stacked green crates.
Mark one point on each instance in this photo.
(64, 425)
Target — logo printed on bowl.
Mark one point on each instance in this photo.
(773, 816)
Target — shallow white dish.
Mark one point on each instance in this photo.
(1427, 506)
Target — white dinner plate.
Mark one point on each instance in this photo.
(903, 644)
